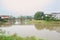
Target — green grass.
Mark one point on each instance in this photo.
(15, 37)
(45, 23)
(3, 36)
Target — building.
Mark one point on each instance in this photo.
(56, 15)
(4, 16)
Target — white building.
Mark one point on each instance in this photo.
(56, 15)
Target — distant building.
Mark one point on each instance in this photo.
(56, 15)
(4, 16)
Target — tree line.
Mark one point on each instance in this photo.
(41, 16)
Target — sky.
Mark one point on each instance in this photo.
(28, 7)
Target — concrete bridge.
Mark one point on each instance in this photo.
(19, 21)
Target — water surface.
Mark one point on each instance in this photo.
(51, 33)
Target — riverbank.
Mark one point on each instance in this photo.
(45, 23)
(15, 37)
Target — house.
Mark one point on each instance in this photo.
(4, 17)
(56, 15)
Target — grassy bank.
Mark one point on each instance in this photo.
(45, 23)
(15, 37)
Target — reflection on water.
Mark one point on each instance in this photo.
(5, 25)
(41, 31)
(51, 28)
(16, 22)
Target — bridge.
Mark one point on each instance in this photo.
(19, 21)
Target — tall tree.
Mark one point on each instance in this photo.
(39, 15)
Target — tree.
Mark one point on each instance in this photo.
(49, 17)
(39, 15)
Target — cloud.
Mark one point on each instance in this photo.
(25, 6)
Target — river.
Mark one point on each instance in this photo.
(50, 33)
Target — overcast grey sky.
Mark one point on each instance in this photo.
(28, 7)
